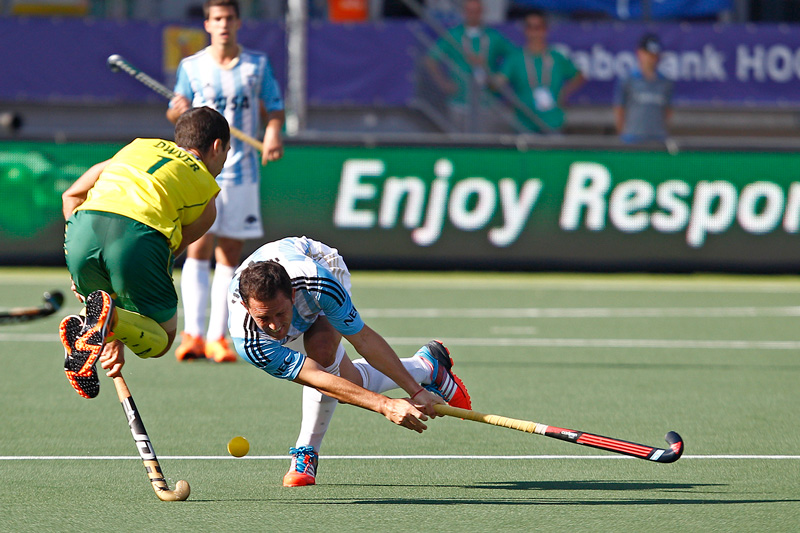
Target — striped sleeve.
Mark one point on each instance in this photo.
(270, 92)
(263, 351)
(182, 84)
(333, 300)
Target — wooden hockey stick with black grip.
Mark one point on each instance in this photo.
(145, 449)
(116, 63)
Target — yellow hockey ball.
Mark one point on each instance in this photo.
(238, 447)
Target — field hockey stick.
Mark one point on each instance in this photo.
(146, 451)
(640, 451)
(116, 63)
(52, 303)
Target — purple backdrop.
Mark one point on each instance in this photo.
(373, 64)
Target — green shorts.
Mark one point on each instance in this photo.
(127, 259)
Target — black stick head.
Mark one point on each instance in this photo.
(113, 62)
(55, 299)
(675, 448)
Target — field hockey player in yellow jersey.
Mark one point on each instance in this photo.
(127, 220)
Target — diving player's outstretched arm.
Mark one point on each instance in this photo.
(398, 411)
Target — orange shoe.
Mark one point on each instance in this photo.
(445, 383)
(192, 347)
(220, 352)
(303, 471)
(84, 340)
(80, 366)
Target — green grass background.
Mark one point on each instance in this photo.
(722, 401)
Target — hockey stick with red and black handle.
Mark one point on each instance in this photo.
(640, 451)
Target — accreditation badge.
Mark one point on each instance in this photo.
(543, 99)
(479, 75)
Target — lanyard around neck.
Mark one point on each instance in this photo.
(547, 70)
(483, 44)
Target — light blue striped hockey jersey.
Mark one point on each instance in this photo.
(235, 93)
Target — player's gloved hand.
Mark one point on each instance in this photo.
(424, 400)
(404, 413)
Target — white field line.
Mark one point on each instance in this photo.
(669, 344)
(29, 337)
(575, 284)
(534, 312)
(514, 330)
(490, 281)
(484, 313)
(583, 312)
(603, 343)
(372, 457)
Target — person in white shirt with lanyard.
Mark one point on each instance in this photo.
(540, 79)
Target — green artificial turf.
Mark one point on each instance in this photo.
(714, 358)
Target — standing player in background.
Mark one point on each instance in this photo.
(643, 100)
(127, 220)
(238, 83)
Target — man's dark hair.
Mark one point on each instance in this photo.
(198, 128)
(220, 3)
(650, 43)
(264, 281)
(535, 12)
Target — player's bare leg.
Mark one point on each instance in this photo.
(323, 344)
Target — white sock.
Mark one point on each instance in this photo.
(194, 292)
(375, 381)
(318, 410)
(218, 319)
